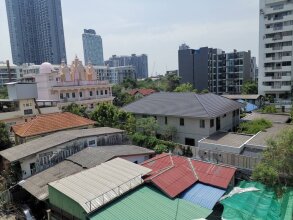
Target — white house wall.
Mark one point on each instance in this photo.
(192, 129)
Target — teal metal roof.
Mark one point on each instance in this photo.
(147, 203)
(260, 204)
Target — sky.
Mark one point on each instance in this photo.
(154, 27)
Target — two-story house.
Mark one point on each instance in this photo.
(194, 116)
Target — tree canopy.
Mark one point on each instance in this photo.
(76, 109)
(108, 115)
(276, 166)
(5, 141)
(185, 87)
(249, 87)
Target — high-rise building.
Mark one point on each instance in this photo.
(140, 63)
(36, 31)
(214, 70)
(275, 51)
(92, 47)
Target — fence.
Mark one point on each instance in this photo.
(233, 159)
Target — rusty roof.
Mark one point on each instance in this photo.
(174, 174)
(52, 122)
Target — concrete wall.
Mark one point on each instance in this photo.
(22, 91)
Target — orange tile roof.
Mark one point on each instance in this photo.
(46, 123)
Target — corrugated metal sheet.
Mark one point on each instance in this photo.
(147, 203)
(213, 174)
(95, 187)
(174, 174)
(203, 195)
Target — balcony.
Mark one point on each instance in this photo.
(277, 68)
(276, 88)
(81, 83)
(269, 10)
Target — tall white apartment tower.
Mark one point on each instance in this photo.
(275, 51)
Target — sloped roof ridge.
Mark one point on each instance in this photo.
(28, 127)
(196, 95)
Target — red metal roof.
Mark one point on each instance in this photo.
(174, 174)
(143, 92)
(213, 174)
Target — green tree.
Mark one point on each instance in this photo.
(105, 115)
(161, 148)
(168, 132)
(249, 87)
(5, 141)
(3, 92)
(185, 87)
(173, 80)
(126, 121)
(75, 109)
(276, 165)
(129, 83)
(147, 126)
(108, 115)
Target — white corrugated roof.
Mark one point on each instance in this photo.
(95, 187)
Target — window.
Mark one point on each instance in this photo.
(61, 95)
(166, 120)
(106, 92)
(189, 141)
(92, 142)
(80, 94)
(27, 111)
(97, 92)
(181, 121)
(101, 92)
(67, 95)
(212, 123)
(73, 95)
(33, 168)
(91, 93)
(202, 123)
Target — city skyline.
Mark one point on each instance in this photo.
(148, 28)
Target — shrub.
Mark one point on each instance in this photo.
(254, 126)
(160, 148)
(138, 139)
(269, 109)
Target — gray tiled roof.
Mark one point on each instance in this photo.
(92, 156)
(89, 157)
(38, 145)
(183, 104)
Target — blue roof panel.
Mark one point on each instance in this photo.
(203, 195)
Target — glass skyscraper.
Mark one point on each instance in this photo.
(36, 31)
(92, 47)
